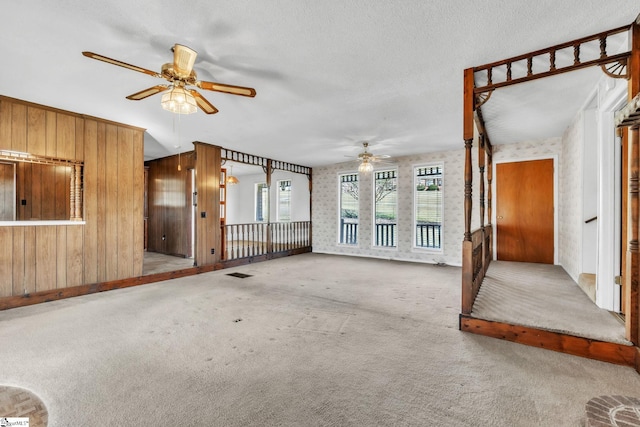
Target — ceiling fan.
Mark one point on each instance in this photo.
(367, 158)
(180, 74)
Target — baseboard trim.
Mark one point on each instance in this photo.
(75, 291)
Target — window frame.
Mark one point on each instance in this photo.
(374, 174)
(339, 222)
(265, 207)
(278, 192)
(414, 190)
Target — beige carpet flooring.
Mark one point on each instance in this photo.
(308, 340)
(543, 296)
(155, 262)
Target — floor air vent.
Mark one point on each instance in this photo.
(239, 275)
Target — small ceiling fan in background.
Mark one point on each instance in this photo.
(367, 159)
(180, 74)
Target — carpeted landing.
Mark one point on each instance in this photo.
(307, 340)
(543, 296)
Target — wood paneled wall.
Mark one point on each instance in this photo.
(208, 231)
(109, 246)
(170, 206)
(44, 190)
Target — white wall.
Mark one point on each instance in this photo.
(325, 210)
(241, 197)
(571, 196)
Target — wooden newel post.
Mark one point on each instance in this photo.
(467, 244)
(75, 193)
(268, 172)
(481, 166)
(632, 280)
(633, 250)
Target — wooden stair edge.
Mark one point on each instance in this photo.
(604, 351)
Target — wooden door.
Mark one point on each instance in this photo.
(524, 211)
(7, 192)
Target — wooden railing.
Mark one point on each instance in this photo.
(477, 255)
(254, 239)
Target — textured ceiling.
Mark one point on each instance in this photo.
(328, 74)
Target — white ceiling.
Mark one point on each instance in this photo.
(328, 74)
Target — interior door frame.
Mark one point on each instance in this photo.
(494, 210)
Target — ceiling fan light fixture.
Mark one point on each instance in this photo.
(179, 101)
(365, 166)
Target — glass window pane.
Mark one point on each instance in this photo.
(348, 228)
(284, 200)
(262, 202)
(428, 203)
(386, 208)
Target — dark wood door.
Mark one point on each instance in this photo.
(524, 211)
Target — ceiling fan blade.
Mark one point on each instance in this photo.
(148, 92)
(120, 63)
(234, 90)
(183, 59)
(205, 105)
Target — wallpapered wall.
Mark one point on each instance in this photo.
(325, 210)
(571, 198)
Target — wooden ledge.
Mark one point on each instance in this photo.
(619, 354)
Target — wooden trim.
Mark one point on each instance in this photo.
(58, 294)
(259, 258)
(603, 59)
(564, 343)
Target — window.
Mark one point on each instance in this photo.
(262, 202)
(386, 208)
(284, 200)
(428, 191)
(348, 232)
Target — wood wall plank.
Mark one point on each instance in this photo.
(66, 136)
(90, 214)
(35, 185)
(48, 195)
(125, 201)
(5, 124)
(7, 191)
(51, 148)
(6, 261)
(18, 279)
(19, 127)
(61, 257)
(46, 261)
(208, 159)
(138, 203)
(36, 131)
(101, 201)
(111, 203)
(74, 256)
(79, 139)
(29, 284)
